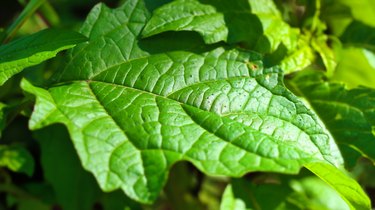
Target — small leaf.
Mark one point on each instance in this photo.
(299, 58)
(347, 187)
(16, 159)
(348, 114)
(326, 53)
(34, 49)
(132, 113)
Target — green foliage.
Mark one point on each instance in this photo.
(16, 159)
(188, 104)
(34, 49)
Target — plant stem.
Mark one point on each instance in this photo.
(29, 10)
(315, 20)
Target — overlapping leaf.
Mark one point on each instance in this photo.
(34, 49)
(348, 114)
(132, 114)
(226, 21)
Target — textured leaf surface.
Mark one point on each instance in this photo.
(16, 159)
(132, 114)
(34, 49)
(259, 25)
(348, 114)
(347, 187)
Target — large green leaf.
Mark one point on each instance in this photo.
(348, 114)
(34, 49)
(259, 25)
(132, 114)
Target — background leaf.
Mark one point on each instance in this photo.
(17, 159)
(348, 114)
(75, 188)
(34, 49)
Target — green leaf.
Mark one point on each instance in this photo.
(313, 193)
(57, 150)
(326, 53)
(34, 49)
(348, 114)
(362, 10)
(226, 21)
(359, 35)
(347, 187)
(285, 193)
(132, 114)
(299, 58)
(358, 73)
(16, 159)
(245, 195)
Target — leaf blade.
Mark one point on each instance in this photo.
(34, 49)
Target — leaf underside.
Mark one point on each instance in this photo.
(132, 114)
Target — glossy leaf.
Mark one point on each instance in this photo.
(226, 21)
(34, 49)
(348, 114)
(16, 159)
(132, 114)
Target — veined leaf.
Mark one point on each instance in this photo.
(34, 49)
(348, 114)
(132, 114)
(226, 21)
